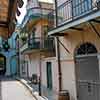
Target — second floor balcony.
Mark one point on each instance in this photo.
(36, 13)
(73, 12)
(38, 45)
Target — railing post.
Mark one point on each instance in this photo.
(56, 12)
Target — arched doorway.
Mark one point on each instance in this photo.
(2, 64)
(87, 72)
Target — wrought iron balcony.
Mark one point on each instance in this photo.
(42, 44)
(36, 13)
(34, 43)
(39, 44)
(72, 10)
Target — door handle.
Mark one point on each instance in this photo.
(89, 87)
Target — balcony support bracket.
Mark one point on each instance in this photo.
(59, 34)
(96, 21)
(95, 30)
(78, 29)
(64, 46)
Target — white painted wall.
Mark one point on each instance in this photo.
(34, 64)
(71, 42)
(54, 72)
(34, 68)
(68, 77)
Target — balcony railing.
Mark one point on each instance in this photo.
(71, 10)
(40, 44)
(36, 13)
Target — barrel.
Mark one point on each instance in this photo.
(64, 95)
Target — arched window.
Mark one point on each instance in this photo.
(86, 48)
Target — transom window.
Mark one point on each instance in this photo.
(86, 48)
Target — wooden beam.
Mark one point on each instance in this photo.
(3, 22)
(2, 25)
(10, 9)
(59, 34)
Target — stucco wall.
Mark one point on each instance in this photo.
(72, 41)
(9, 66)
(34, 68)
(34, 63)
(55, 77)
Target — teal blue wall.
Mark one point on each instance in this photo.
(11, 62)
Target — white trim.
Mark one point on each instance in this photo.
(87, 55)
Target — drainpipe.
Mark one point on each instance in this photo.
(40, 66)
(40, 70)
(58, 50)
(59, 64)
(18, 54)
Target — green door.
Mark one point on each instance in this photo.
(49, 75)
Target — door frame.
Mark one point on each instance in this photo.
(79, 56)
(49, 75)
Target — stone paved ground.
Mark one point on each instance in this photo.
(48, 93)
(13, 90)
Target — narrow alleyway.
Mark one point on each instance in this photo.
(13, 90)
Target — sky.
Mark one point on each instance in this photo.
(51, 1)
(23, 10)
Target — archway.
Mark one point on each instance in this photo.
(2, 64)
(87, 72)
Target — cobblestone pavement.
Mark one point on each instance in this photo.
(13, 90)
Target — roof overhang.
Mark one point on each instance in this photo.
(62, 28)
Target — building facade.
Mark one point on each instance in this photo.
(8, 58)
(37, 50)
(76, 27)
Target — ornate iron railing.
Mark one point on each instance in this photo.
(36, 13)
(71, 10)
(37, 43)
(41, 43)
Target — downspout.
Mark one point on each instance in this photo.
(18, 55)
(40, 67)
(59, 64)
(58, 50)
